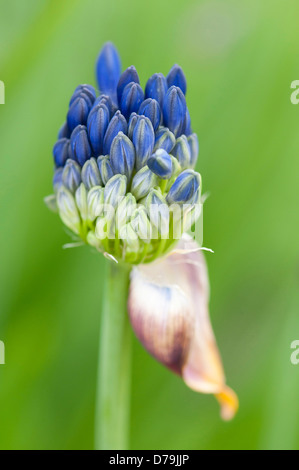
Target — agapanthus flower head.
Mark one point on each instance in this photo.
(129, 141)
(124, 183)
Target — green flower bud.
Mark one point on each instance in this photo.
(102, 228)
(194, 148)
(95, 202)
(92, 240)
(130, 239)
(176, 167)
(176, 170)
(68, 210)
(182, 152)
(158, 210)
(125, 210)
(143, 182)
(191, 213)
(90, 174)
(81, 201)
(115, 189)
(141, 224)
(105, 168)
(185, 215)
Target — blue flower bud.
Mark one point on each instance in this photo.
(108, 69)
(74, 134)
(78, 113)
(87, 86)
(106, 100)
(143, 182)
(71, 175)
(122, 155)
(184, 187)
(117, 124)
(61, 151)
(177, 77)
(151, 109)
(160, 163)
(90, 174)
(156, 87)
(194, 148)
(174, 110)
(64, 131)
(80, 146)
(186, 128)
(86, 91)
(57, 179)
(95, 202)
(97, 124)
(132, 123)
(105, 169)
(165, 139)
(115, 189)
(128, 76)
(131, 99)
(182, 152)
(143, 140)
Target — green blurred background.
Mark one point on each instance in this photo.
(239, 59)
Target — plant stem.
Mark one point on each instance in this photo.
(113, 394)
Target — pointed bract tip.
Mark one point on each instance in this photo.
(229, 403)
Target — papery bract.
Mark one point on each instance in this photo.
(168, 309)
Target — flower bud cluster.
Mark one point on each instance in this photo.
(124, 162)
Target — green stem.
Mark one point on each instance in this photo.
(113, 394)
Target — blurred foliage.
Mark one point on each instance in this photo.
(239, 59)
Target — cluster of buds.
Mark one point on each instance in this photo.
(124, 179)
(124, 183)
